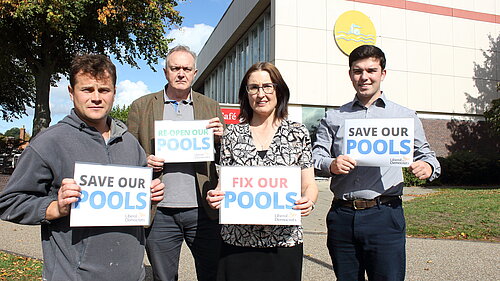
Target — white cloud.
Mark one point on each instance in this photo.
(128, 91)
(193, 37)
(60, 102)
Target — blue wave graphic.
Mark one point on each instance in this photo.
(367, 41)
(362, 37)
(361, 34)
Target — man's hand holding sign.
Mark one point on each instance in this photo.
(421, 169)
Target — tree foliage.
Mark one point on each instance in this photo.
(120, 113)
(485, 77)
(492, 116)
(42, 36)
(17, 84)
(12, 132)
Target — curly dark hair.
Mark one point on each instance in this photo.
(95, 65)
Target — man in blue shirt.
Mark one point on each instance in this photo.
(366, 225)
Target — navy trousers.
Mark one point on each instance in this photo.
(370, 240)
(172, 226)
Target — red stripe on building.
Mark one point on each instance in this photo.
(427, 8)
(474, 15)
(433, 9)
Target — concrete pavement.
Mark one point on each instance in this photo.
(427, 259)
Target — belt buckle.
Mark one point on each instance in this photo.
(354, 204)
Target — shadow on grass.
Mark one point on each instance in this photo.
(464, 187)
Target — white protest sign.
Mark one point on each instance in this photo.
(112, 195)
(380, 142)
(260, 195)
(184, 141)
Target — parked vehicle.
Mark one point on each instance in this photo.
(8, 161)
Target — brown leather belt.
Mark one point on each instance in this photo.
(361, 204)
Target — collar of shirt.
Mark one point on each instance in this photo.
(168, 100)
(380, 102)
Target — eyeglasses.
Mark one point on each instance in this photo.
(268, 88)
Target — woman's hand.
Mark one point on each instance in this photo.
(305, 205)
(214, 198)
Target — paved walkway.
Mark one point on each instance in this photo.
(427, 259)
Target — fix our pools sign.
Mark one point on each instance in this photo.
(260, 195)
(184, 141)
(111, 195)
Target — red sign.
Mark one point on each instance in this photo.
(231, 115)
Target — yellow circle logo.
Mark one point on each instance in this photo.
(352, 30)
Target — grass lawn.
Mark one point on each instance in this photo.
(455, 213)
(19, 268)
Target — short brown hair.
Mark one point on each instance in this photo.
(282, 92)
(367, 51)
(95, 65)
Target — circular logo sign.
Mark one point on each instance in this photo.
(352, 30)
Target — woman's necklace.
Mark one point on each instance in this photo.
(263, 138)
(263, 145)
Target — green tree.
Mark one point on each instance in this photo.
(120, 113)
(12, 132)
(42, 36)
(492, 116)
(17, 86)
(3, 145)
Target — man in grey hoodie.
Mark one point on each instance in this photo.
(41, 189)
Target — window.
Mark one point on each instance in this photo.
(224, 82)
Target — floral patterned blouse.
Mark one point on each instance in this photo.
(291, 146)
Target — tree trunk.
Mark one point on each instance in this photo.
(42, 109)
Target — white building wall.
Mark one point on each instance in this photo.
(430, 57)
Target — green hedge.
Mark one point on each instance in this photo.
(461, 168)
(469, 168)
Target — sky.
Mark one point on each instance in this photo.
(200, 18)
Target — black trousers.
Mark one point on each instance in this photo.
(172, 226)
(371, 240)
(262, 264)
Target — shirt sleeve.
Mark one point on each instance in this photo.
(422, 149)
(29, 191)
(322, 153)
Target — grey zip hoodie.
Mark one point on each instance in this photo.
(80, 253)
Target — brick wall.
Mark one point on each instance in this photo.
(3, 181)
(438, 135)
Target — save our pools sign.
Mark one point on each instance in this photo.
(111, 195)
(380, 142)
